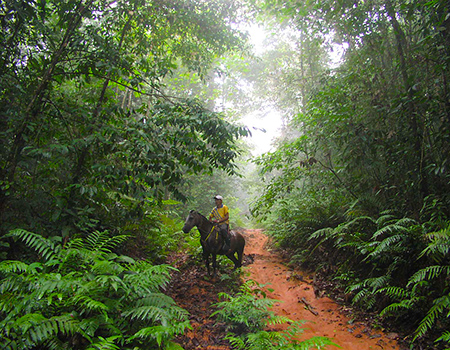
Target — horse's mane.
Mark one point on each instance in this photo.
(203, 216)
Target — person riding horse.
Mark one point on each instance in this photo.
(220, 216)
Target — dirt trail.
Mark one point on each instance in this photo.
(296, 291)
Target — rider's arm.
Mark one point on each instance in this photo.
(225, 218)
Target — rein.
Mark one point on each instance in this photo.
(214, 227)
(209, 234)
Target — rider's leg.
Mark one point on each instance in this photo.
(227, 236)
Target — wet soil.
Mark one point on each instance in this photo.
(300, 299)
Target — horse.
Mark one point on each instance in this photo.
(212, 241)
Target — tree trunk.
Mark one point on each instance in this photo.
(35, 104)
(414, 122)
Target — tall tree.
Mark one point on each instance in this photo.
(378, 123)
(73, 153)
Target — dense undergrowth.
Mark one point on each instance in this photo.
(85, 296)
(395, 266)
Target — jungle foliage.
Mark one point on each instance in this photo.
(84, 296)
(359, 183)
(88, 136)
(97, 135)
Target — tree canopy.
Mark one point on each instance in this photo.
(85, 121)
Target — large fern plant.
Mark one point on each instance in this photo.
(84, 296)
(394, 266)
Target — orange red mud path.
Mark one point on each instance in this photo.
(295, 290)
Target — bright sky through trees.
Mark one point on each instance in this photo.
(265, 124)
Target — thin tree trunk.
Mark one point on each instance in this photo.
(414, 121)
(83, 155)
(35, 104)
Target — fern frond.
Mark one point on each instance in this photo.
(161, 333)
(156, 299)
(105, 343)
(265, 340)
(360, 221)
(356, 286)
(322, 233)
(406, 222)
(396, 293)
(444, 337)
(316, 343)
(389, 230)
(148, 278)
(75, 243)
(394, 308)
(385, 246)
(441, 235)
(276, 320)
(90, 304)
(440, 304)
(102, 242)
(385, 219)
(428, 273)
(362, 294)
(439, 246)
(43, 246)
(379, 282)
(170, 345)
(103, 267)
(8, 266)
(147, 312)
(236, 342)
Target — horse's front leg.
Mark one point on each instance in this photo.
(214, 263)
(206, 259)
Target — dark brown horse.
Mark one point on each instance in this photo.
(212, 241)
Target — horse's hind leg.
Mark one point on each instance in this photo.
(240, 253)
(232, 257)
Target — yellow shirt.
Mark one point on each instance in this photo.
(219, 214)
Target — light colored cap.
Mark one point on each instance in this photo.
(218, 197)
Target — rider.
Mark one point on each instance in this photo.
(220, 215)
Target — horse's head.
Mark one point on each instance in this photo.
(193, 219)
